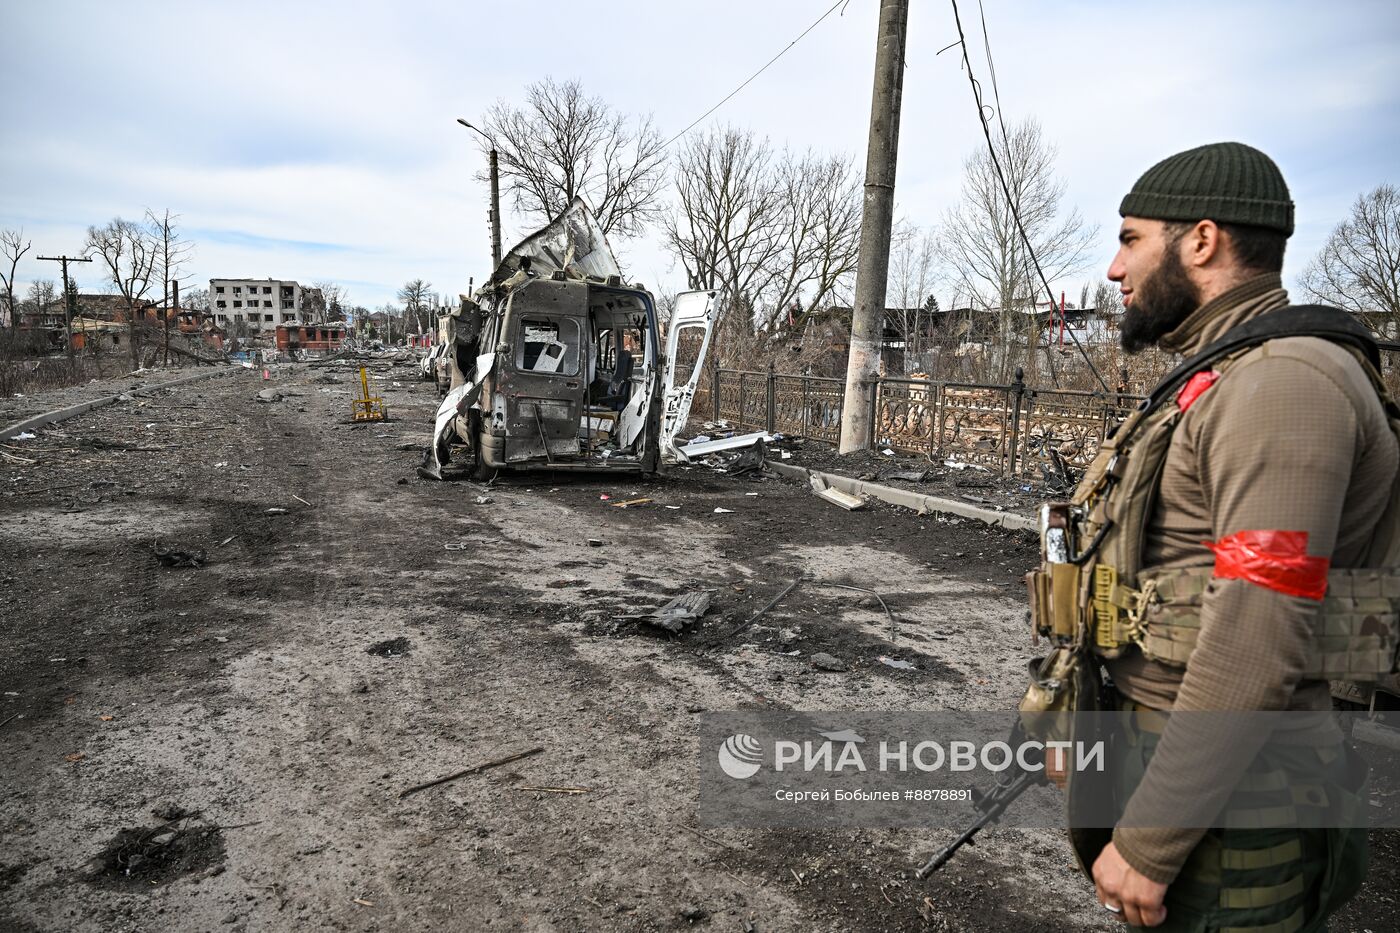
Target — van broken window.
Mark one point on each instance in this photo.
(548, 347)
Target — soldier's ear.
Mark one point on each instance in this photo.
(1202, 245)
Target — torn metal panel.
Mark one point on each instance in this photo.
(454, 406)
(705, 448)
(572, 243)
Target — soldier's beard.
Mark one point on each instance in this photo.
(1160, 303)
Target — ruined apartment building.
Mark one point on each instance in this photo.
(261, 303)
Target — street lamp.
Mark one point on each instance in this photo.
(495, 197)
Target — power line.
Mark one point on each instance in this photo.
(755, 74)
(992, 70)
(1011, 201)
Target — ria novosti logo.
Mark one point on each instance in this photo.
(740, 756)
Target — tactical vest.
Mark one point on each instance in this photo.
(1092, 589)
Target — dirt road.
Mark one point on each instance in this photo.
(223, 745)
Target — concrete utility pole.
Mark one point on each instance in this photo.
(872, 269)
(495, 196)
(67, 298)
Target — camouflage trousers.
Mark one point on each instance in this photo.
(1258, 875)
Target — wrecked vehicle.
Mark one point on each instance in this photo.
(557, 363)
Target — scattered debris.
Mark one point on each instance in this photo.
(164, 852)
(835, 496)
(721, 511)
(681, 611)
(692, 451)
(276, 511)
(629, 503)
(750, 460)
(302, 501)
(484, 500)
(595, 542)
(896, 663)
(362, 902)
(268, 396)
(694, 914)
(825, 662)
(907, 476)
(860, 589)
(173, 557)
(747, 623)
(24, 436)
(553, 790)
(472, 770)
(226, 541)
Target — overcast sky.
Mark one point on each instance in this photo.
(317, 140)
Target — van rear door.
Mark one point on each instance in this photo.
(687, 342)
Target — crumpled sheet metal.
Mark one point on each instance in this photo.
(574, 242)
(456, 403)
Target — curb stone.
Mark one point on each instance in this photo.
(73, 411)
(917, 501)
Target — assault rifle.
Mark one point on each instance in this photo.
(990, 806)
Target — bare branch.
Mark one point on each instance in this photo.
(13, 246)
(564, 144)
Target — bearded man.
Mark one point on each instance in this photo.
(1274, 476)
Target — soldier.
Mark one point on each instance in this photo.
(1216, 514)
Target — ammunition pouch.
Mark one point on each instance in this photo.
(1356, 632)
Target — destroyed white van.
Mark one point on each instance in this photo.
(558, 364)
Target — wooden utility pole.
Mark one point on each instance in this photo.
(67, 298)
(872, 269)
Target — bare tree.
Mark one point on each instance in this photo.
(817, 232)
(1358, 268)
(417, 298)
(391, 329)
(172, 252)
(981, 245)
(41, 294)
(195, 299)
(564, 144)
(13, 246)
(335, 298)
(768, 231)
(912, 278)
(129, 257)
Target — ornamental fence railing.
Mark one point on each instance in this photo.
(1009, 429)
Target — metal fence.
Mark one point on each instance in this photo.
(1007, 428)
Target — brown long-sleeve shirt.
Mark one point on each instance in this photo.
(1292, 438)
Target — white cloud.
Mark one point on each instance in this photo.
(334, 123)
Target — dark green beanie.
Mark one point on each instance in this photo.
(1225, 182)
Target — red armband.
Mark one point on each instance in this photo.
(1195, 387)
(1276, 560)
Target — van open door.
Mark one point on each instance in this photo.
(687, 342)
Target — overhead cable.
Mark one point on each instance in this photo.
(755, 74)
(1006, 188)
